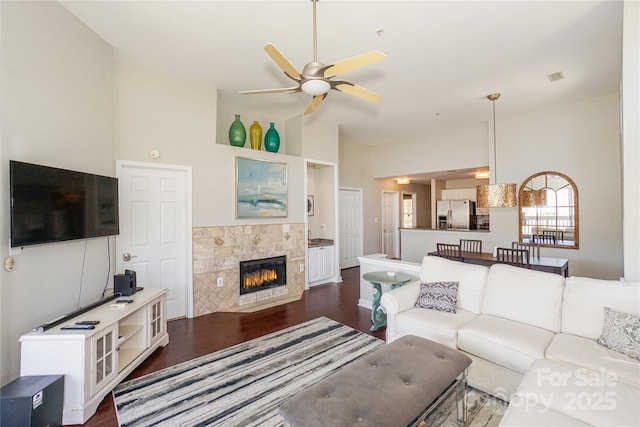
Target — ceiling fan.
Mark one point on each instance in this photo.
(315, 78)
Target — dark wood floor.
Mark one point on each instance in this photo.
(190, 338)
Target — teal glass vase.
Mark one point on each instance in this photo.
(237, 133)
(272, 139)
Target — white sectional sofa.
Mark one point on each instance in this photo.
(532, 337)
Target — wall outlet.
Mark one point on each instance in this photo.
(301, 267)
(220, 282)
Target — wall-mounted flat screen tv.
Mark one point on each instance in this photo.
(52, 205)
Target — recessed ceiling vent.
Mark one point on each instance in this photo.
(553, 77)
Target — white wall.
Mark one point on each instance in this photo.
(631, 138)
(56, 110)
(462, 147)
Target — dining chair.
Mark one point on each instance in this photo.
(470, 245)
(449, 251)
(533, 248)
(548, 237)
(517, 257)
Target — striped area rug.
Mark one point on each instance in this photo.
(245, 384)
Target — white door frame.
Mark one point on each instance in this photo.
(120, 164)
(395, 220)
(336, 276)
(414, 203)
(360, 226)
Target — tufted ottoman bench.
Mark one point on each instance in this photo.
(398, 384)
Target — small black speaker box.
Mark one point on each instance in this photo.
(32, 401)
(124, 284)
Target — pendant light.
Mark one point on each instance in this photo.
(496, 195)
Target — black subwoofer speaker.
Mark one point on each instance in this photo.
(125, 284)
(32, 401)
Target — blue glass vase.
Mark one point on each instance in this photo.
(237, 133)
(272, 139)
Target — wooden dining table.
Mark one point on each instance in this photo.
(548, 264)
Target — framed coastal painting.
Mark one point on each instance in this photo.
(261, 189)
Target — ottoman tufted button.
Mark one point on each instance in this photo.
(407, 383)
(359, 419)
(374, 366)
(440, 358)
(327, 395)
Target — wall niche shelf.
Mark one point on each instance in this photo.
(286, 128)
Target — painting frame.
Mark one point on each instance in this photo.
(261, 189)
(310, 205)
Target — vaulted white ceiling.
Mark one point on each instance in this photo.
(444, 57)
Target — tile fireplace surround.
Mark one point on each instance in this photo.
(217, 252)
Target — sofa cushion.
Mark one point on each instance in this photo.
(526, 296)
(580, 393)
(439, 296)
(438, 326)
(471, 279)
(587, 353)
(513, 345)
(621, 333)
(584, 295)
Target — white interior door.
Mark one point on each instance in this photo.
(390, 221)
(350, 207)
(155, 230)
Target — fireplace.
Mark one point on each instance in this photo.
(259, 274)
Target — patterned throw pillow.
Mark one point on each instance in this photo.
(621, 332)
(441, 296)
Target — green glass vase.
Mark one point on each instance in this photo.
(272, 139)
(237, 133)
(255, 135)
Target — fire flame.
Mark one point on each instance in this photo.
(257, 278)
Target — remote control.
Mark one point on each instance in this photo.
(125, 300)
(87, 322)
(84, 327)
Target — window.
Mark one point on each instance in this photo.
(549, 210)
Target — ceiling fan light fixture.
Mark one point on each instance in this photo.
(315, 87)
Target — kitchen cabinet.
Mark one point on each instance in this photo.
(94, 361)
(320, 266)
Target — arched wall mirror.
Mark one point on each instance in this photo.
(549, 210)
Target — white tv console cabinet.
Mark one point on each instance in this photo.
(94, 361)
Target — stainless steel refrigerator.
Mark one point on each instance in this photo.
(455, 214)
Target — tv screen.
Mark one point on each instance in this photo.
(53, 205)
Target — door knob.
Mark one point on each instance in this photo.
(128, 257)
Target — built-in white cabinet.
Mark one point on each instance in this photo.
(320, 267)
(94, 361)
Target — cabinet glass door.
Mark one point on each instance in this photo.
(104, 348)
(156, 320)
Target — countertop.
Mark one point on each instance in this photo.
(446, 229)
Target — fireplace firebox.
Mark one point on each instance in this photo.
(260, 274)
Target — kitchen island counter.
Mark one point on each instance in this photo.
(415, 243)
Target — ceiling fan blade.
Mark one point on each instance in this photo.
(315, 101)
(266, 91)
(282, 62)
(354, 62)
(355, 90)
